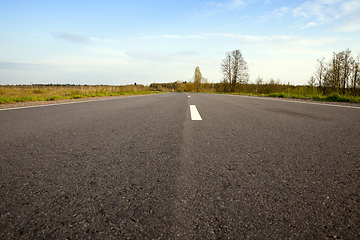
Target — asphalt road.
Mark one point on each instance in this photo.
(140, 168)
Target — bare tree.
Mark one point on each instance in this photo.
(312, 81)
(355, 72)
(320, 72)
(346, 64)
(226, 68)
(334, 71)
(258, 83)
(235, 69)
(340, 71)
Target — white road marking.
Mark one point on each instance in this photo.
(194, 113)
(285, 100)
(188, 96)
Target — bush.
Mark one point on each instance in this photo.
(280, 95)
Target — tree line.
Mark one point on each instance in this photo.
(340, 73)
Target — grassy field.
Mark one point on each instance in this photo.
(307, 94)
(24, 93)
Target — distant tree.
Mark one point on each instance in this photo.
(258, 83)
(339, 73)
(355, 72)
(271, 81)
(334, 71)
(311, 81)
(320, 72)
(197, 78)
(235, 69)
(226, 69)
(346, 65)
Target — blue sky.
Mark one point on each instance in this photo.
(122, 42)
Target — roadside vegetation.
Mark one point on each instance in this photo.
(334, 81)
(269, 88)
(37, 92)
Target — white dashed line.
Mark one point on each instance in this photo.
(194, 113)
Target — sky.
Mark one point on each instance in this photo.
(122, 42)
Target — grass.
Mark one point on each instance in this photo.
(303, 93)
(26, 93)
(334, 97)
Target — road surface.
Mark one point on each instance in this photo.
(141, 168)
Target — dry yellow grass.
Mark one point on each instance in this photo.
(23, 93)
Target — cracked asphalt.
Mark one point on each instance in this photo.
(139, 168)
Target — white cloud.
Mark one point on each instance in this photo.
(22, 66)
(71, 37)
(211, 8)
(156, 56)
(101, 40)
(277, 14)
(323, 12)
(171, 37)
(352, 23)
(232, 4)
(251, 38)
(278, 40)
(350, 7)
(343, 14)
(235, 4)
(349, 25)
(310, 24)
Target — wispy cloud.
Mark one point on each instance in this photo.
(324, 11)
(155, 56)
(25, 34)
(279, 40)
(267, 2)
(310, 24)
(349, 25)
(342, 13)
(277, 14)
(211, 8)
(71, 37)
(170, 37)
(352, 23)
(21, 66)
(232, 4)
(101, 40)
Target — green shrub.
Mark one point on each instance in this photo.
(5, 100)
(76, 96)
(279, 95)
(55, 97)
